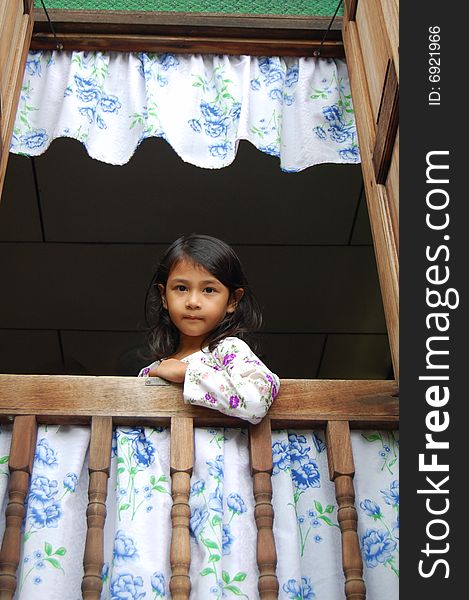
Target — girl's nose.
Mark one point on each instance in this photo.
(193, 300)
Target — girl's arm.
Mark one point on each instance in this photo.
(170, 369)
(231, 379)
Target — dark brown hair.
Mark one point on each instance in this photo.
(221, 261)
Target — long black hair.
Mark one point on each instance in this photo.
(219, 259)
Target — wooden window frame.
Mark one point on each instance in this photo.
(337, 406)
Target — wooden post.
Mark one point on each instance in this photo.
(23, 444)
(341, 472)
(16, 31)
(260, 449)
(371, 48)
(27, 7)
(182, 462)
(100, 463)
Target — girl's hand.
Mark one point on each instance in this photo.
(171, 369)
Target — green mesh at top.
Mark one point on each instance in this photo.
(257, 7)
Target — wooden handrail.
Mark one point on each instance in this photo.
(130, 400)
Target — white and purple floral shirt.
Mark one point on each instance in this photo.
(230, 379)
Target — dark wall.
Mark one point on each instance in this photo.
(79, 241)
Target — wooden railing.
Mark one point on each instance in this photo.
(28, 400)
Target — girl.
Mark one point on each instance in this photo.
(203, 307)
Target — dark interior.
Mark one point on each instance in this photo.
(79, 241)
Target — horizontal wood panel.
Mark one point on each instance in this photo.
(178, 32)
(127, 204)
(96, 286)
(301, 402)
(184, 45)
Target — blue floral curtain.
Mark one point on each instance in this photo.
(298, 109)
(223, 529)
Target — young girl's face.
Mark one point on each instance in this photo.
(196, 300)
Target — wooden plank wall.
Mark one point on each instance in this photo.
(16, 26)
(370, 34)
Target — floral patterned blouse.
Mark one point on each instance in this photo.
(230, 379)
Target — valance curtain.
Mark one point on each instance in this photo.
(222, 524)
(298, 109)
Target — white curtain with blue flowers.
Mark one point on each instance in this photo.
(298, 109)
(223, 529)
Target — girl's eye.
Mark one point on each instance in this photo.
(181, 288)
(209, 290)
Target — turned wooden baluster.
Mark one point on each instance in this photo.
(182, 461)
(100, 463)
(341, 472)
(23, 444)
(260, 449)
